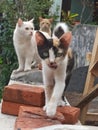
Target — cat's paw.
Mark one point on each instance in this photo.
(17, 71)
(27, 69)
(50, 111)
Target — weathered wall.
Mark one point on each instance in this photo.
(82, 42)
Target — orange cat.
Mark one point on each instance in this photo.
(45, 24)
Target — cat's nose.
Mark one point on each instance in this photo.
(31, 33)
(51, 63)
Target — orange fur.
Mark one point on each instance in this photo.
(45, 24)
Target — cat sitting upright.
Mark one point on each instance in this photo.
(23, 44)
(54, 55)
(45, 24)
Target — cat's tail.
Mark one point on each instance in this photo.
(60, 29)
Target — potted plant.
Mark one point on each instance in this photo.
(70, 18)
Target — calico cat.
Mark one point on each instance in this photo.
(45, 24)
(23, 44)
(58, 31)
(54, 55)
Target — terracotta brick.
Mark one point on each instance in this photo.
(70, 113)
(35, 117)
(24, 129)
(36, 112)
(10, 108)
(31, 123)
(24, 94)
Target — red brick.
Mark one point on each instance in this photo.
(24, 94)
(25, 111)
(25, 129)
(70, 113)
(10, 108)
(35, 117)
(31, 123)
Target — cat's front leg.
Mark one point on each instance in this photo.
(21, 65)
(48, 93)
(55, 98)
(51, 107)
(28, 64)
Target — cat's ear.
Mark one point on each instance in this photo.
(20, 22)
(65, 39)
(40, 19)
(31, 20)
(40, 38)
(51, 20)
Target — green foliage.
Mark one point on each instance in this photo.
(12, 10)
(25, 9)
(8, 60)
(69, 18)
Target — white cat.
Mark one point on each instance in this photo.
(54, 55)
(24, 44)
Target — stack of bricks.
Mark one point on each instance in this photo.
(17, 95)
(26, 102)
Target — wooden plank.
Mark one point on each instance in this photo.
(94, 69)
(90, 92)
(92, 116)
(83, 114)
(88, 98)
(90, 78)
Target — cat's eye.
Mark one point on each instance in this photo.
(45, 54)
(59, 54)
(47, 23)
(43, 23)
(27, 28)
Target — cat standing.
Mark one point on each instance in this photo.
(45, 24)
(23, 44)
(54, 55)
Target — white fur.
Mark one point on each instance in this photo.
(63, 25)
(24, 45)
(54, 91)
